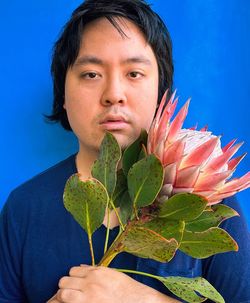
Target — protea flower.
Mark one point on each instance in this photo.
(193, 160)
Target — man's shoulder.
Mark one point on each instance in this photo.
(50, 180)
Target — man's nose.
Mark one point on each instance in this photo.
(114, 92)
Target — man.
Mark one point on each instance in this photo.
(110, 66)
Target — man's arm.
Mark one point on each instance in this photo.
(104, 285)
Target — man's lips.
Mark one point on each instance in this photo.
(113, 122)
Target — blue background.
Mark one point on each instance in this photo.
(211, 42)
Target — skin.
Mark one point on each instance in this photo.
(92, 284)
(117, 76)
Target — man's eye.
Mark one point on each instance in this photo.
(135, 75)
(90, 75)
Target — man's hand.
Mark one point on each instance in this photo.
(104, 285)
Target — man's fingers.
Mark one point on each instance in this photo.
(75, 283)
(81, 271)
(70, 296)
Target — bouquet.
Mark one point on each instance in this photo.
(165, 189)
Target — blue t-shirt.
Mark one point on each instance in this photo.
(40, 241)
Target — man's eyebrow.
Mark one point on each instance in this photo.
(88, 59)
(94, 60)
(138, 59)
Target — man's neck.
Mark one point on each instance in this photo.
(84, 162)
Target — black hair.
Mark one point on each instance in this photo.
(67, 47)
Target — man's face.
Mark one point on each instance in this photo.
(112, 86)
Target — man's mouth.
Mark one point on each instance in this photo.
(113, 122)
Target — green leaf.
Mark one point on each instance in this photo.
(192, 289)
(120, 188)
(126, 208)
(166, 228)
(211, 218)
(104, 168)
(146, 243)
(207, 243)
(86, 201)
(134, 152)
(145, 180)
(183, 206)
(143, 153)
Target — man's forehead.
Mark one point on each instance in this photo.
(102, 43)
(120, 27)
(121, 24)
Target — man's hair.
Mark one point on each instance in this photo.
(66, 48)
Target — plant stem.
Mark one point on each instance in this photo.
(91, 250)
(116, 212)
(182, 231)
(136, 212)
(90, 237)
(137, 272)
(113, 250)
(107, 233)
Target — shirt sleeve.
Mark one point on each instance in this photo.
(11, 290)
(229, 272)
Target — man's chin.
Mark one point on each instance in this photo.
(124, 140)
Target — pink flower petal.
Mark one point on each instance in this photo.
(164, 124)
(187, 177)
(231, 143)
(218, 163)
(216, 198)
(153, 128)
(194, 127)
(232, 164)
(237, 184)
(213, 181)
(178, 121)
(167, 112)
(174, 152)
(200, 154)
(162, 103)
(207, 193)
(170, 173)
(150, 143)
(159, 150)
(204, 129)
